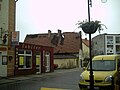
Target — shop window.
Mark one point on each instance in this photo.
(21, 61)
(25, 59)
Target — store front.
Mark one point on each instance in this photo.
(31, 59)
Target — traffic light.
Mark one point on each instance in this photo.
(4, 38)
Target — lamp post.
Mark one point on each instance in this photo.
(91, 71)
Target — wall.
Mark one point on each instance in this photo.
(85, 50)
(98, 45)
(11, 28)
(66, 63)
(4, 17)
(7, 25)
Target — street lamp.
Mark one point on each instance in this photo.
(91, 71)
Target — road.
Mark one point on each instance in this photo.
(63, 80)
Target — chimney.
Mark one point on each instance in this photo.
(59, 32)
(85, 38)
(49, 33)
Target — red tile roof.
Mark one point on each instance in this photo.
(67, 42)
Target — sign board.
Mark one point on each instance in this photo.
(15, 38)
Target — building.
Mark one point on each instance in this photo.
(19, 58)
(66, 46)
(106, 44)
(85, 48)
(7, 26)
(32, 59)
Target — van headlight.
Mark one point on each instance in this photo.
(108, 79)
(81, 77)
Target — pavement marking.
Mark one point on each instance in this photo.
(44, 88)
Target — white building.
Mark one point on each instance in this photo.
(106, 44)
(7, 26)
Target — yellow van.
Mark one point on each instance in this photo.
(106, 72)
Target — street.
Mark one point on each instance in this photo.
(64, 80)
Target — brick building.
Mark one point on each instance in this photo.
(66, 46)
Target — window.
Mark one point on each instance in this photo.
(28, 52)
(109, 39)
(25, 59)
(117, 48)
(103, 65)
(109, 48)
(117, 39)
(21, 51)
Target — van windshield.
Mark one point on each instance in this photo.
(103, 65)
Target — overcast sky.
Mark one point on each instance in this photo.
(39, 16)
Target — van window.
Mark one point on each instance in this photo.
(103, 65)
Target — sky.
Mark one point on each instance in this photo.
(39, 16)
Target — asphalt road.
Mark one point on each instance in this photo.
(63, 80)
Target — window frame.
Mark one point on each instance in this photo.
(24, 56)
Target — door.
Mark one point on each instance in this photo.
(47, 61)
(38, 63)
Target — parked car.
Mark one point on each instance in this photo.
(106, 72)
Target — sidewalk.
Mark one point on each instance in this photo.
(26, 77)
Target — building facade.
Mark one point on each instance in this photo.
(31, 59)
(7, 26)
(106, 44)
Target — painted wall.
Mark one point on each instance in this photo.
(4, 13)
(3, 63)
(98, 45)
(85, 50)
(66, 63)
